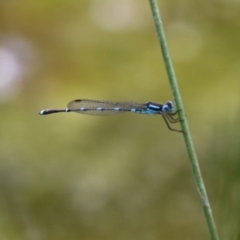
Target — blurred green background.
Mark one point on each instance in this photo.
(72, 176)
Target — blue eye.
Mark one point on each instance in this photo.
(168, 107)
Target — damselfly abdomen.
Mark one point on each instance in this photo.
(104, 108)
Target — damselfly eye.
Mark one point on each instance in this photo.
(168, 107)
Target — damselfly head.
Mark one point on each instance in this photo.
(168, 107)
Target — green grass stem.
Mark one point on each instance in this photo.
(184, 125)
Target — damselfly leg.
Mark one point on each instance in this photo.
(168, 118)
(171, 119)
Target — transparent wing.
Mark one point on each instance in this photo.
(103, 108)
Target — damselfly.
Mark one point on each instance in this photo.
(104, 108)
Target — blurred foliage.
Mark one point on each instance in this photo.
(69, 176)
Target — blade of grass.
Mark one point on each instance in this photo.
(186, 133)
